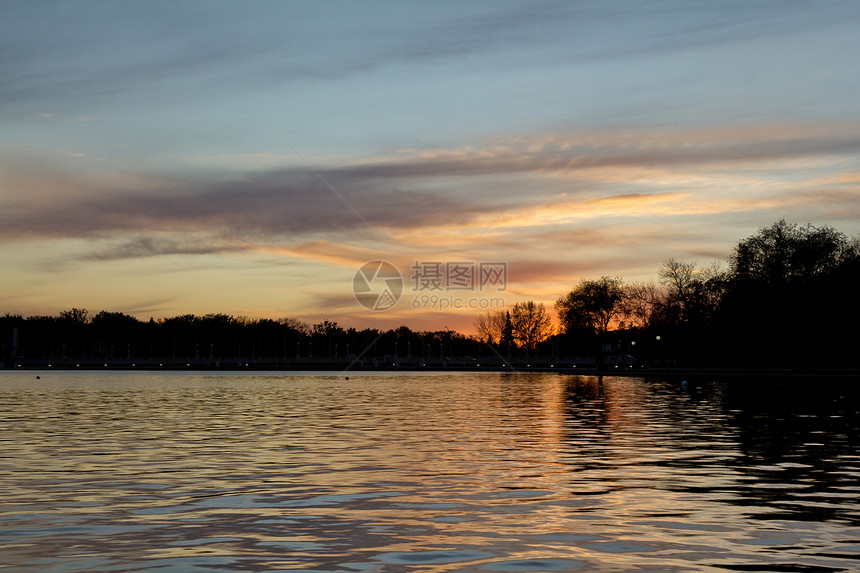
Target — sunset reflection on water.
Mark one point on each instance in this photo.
(438, 472)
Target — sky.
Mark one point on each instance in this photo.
(248, 158)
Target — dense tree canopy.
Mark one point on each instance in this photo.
(490, 325)
(791, 296)
(787, 299)
(531, 324)
(118, 336)
(786, 252)
(591, 306)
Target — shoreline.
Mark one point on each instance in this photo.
(458, 367)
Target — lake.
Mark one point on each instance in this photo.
(116, 471)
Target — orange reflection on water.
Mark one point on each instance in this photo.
(494, 472)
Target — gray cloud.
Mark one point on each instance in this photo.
(280, 203)
(139, 247)
(390, 194)
(614, 155)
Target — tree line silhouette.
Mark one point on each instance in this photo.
(787, 299)
(118, 337)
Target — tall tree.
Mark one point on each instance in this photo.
(791, 289)
(642, 303)
(508, 332)
(693, 294)
(785, 251)
(531, 324)
(679, 277)
(591, 306)
(491, 326)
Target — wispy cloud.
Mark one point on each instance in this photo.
(280, 203)
(154, 246)
(93, 54)
(510, 188)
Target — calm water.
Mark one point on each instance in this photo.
(475, 472)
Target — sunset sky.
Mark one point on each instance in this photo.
(162, 158)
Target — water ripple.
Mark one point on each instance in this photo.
(490, 472)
